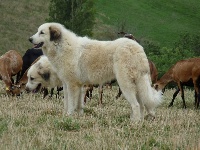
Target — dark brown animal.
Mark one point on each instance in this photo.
(10, 65)
(29, 57)
(21, 84)
(183, 73)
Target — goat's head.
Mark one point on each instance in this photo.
(15, 89)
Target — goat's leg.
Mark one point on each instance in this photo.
(17, 77)
(195, 98)
(52, 89)
(86, 95)
(174, 96)
(197, 91)
(100, 94)
(90, 91)
(58, 92)
(182, 95)
(198, 100)
(45, 90)
(119, 93)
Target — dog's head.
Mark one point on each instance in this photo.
(47, 33)
(38, 76)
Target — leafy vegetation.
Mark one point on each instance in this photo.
(187, 46)
(78, 16)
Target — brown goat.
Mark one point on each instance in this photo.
(10, 65)
(183, 73)
(21, 84)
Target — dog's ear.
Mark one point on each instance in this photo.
(45, 75)
(55, 33)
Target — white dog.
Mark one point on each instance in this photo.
(41, 74)
(80, 61)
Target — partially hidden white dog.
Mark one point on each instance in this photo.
(81, 61)
(41, 74)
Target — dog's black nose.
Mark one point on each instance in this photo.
(30, 39)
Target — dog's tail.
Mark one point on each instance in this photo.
(150, 97)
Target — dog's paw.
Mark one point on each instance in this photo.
(149, 117)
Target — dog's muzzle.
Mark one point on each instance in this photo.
(36, 45)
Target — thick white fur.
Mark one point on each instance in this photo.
(38, 70)
(80, 60)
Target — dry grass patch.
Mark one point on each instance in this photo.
(30, 122)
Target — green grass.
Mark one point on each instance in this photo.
(19, 20)
(159, 21)
(30, 122)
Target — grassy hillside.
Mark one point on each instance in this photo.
(30, 122)
(19, 20)
(159, 20)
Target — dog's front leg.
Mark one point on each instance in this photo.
(80, 103)
(74, 102)
(68, 105)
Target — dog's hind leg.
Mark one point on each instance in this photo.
(128, 89)
(146, 95)
(130, 95)
(141, 107)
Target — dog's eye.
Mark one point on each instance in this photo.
(41, 32)
(31, 78)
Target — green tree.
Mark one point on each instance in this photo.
(168, 57)
(76, 15)
(189, 42)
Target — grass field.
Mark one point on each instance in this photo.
(159, 21)
(30, 122)
(19, 20)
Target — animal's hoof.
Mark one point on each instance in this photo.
(170, 105)
(149, 117)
